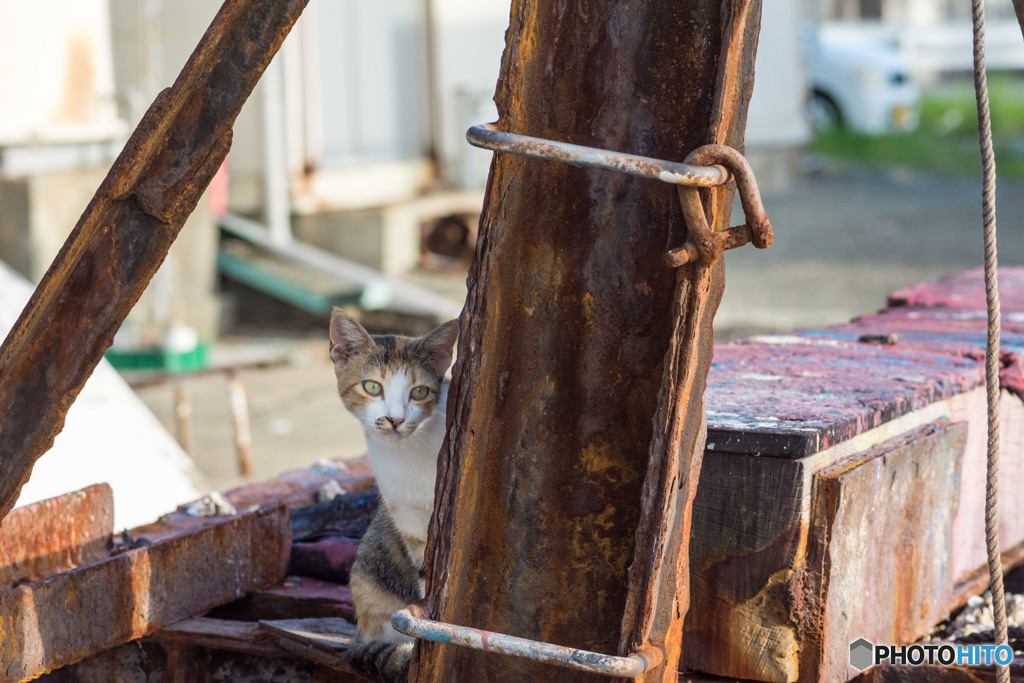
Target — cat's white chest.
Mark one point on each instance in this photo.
(406, 480)
(406, 471)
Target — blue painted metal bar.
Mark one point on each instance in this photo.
(404, 621)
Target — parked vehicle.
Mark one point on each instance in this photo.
(857, 80)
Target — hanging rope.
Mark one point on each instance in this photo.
(988, 161)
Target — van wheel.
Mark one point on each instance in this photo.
(823, 113)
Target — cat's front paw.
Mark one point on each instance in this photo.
(382, 660)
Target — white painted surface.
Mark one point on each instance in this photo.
(56, 72)
(776, 117)
(109, 436)
(467, 54)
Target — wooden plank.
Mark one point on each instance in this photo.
(798, 394)
(275, 279)
(295, 597)
(159, 659)
(59, 620)
(293, 488)
(748, 537)
(965, 290)
(220, 634)
(55, 535)
(320, 641)
(125, 232)
(330, 634)
(323, 641)
(881, 542)
(795, 395)
(750, 570)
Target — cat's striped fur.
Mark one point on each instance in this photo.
(397, 389)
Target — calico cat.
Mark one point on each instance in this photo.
(397, 389)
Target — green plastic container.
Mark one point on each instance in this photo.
(159, 359)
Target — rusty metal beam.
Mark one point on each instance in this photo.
(55, 535)
(563, 340)
(125, 232)
(59, 620)
(658, 594)
(1018, 8)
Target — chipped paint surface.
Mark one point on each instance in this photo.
(832, 386)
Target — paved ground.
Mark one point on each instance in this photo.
(844, 240)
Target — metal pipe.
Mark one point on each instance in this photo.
(276, 193)
(183, 415)
(707, 166)
(379, 287)
(240, 417)
(488, 136)
(632, 666)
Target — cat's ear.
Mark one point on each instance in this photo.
(348, 338)
(438, 346)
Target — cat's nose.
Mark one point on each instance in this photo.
(396, 421)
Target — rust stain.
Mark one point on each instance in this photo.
(51, 536)
(78, 97)
(66, 617)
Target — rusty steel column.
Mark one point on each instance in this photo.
(659, 576)
(125, 232)
(570, 314)
(1018, 8)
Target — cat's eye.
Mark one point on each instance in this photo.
(373, 388)
(419, 393)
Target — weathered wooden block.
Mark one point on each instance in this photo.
(816, 460)
(880, 545)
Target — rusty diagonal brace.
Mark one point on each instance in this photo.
(705, 167)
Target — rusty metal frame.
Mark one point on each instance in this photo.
(706, 167)
(63, 618)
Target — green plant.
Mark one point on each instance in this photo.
(946, 141)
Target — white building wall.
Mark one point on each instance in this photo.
(56, 74)
(776, 118)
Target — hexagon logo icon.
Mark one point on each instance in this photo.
(861, 654)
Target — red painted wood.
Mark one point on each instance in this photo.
(794, 395)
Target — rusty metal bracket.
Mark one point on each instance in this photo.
(705, 167)
(411, 622)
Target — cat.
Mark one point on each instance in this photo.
(396, 387)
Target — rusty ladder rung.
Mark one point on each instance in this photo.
(404, 621)
(705, 167)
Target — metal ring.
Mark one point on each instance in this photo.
(746, 185)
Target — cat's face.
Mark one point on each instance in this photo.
(390, 383)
